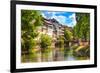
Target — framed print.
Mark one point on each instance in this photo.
(52, 36)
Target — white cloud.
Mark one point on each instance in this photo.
(43, 15)
(61, 19)
(48, 14)
(64, 20)
(73, 18)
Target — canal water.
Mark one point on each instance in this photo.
(55, 55)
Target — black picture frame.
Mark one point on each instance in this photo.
(13, 36)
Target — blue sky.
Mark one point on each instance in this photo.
(65, 18)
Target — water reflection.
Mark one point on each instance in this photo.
(53, 55)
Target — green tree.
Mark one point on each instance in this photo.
(82, 31)
(30, 20)
(82, 28)
(46, 41)
(68, 36)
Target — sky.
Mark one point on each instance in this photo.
(65, 18)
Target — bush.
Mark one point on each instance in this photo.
(46, 41)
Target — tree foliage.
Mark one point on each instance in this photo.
(30, 20)
(82, 28)
(46, 41)
(68, 35)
